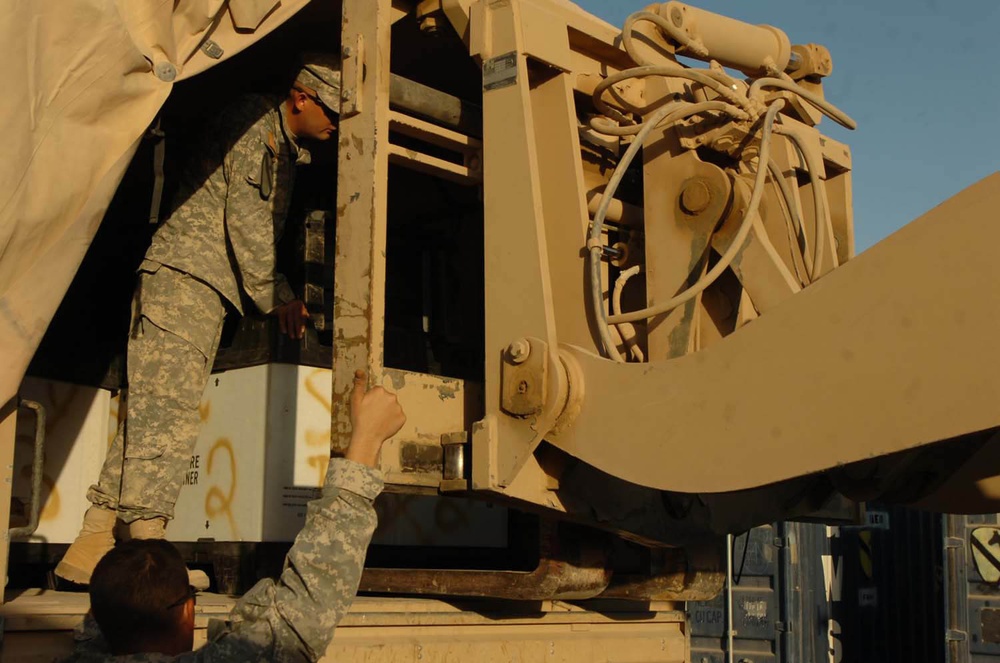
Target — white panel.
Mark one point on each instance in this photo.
(298, 448)
(222, 497)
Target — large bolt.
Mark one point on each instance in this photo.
(519, 350)
(696, 197)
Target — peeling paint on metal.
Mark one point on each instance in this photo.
(447, 390)
(398, 379)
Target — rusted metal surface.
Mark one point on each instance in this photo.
(683, 575)
(415, 457)
(569, 567)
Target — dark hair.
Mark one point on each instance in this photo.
(131, 589)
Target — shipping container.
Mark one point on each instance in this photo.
(972, 588)
(867, 593)
(775, 599)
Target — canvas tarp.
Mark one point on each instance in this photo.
(82, 80)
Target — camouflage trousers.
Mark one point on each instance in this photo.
(176, 323)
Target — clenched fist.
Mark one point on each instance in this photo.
(375, 417)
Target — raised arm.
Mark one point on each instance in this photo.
(293, 618)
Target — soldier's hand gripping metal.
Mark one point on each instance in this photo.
(292, 318)
(375, 417)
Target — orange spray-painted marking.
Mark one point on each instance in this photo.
(216, 501)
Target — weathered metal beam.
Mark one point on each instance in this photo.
(684, 575)
(430, 165)
(434, 105)
(568, 568)
(362, 189)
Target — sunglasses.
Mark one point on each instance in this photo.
(190, 594)
(314, 98)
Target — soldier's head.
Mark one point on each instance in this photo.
(314, 100)
(140, 597)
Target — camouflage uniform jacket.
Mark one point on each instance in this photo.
(291, 618)
(232, 204)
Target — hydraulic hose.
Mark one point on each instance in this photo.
(616, 308)
(696, 48)
(667, 114)
(794, 224)
(734, 247)
(643, 71)
(819, 197)
(824, 106)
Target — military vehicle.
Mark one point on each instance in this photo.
(608, 270)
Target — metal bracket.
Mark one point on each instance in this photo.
(37, 470)
(533, 387)
(453, 471)
(524, 378)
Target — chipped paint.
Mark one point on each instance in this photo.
(397, 378)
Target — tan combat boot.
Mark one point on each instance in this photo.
(156, 528)
(96, 539)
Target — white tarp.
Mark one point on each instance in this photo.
(81, 82)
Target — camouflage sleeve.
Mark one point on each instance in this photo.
(293, 618)
(250, 224)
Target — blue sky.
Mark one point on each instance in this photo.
(920, 77)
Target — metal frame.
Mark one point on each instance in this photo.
(763, 406)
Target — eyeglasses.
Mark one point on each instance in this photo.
(190, 594)
(314, 98)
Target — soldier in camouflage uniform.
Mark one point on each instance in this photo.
(217, 245)
(288, 619)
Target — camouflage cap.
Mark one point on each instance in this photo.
(321, 72)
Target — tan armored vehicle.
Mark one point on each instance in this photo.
(608, 270)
